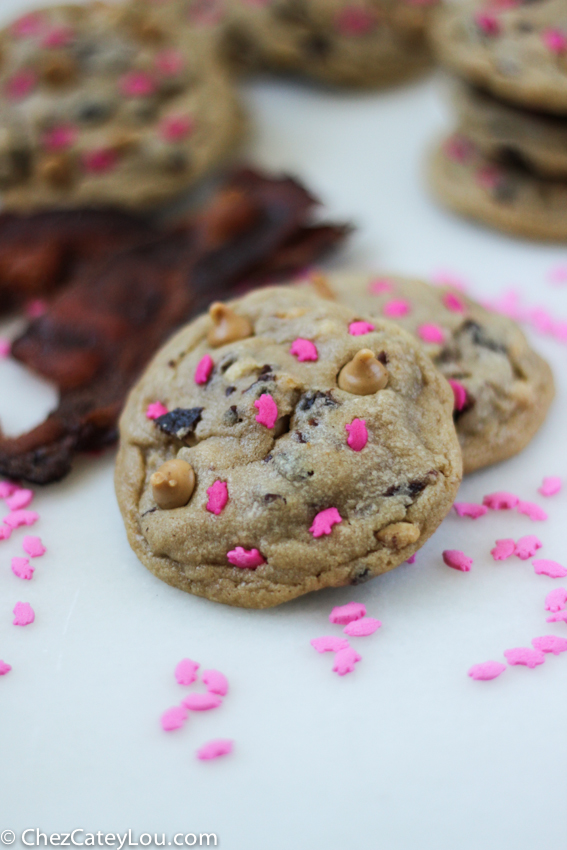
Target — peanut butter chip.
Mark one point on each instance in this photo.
(363, 375)
(399, 535)
(227, 327)
(173, 484)
(321, 286)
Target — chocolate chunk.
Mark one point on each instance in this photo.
(481, 338)
(361, 576)
(273, 497)
(383, 358)
(411, 489)
(231, 416)
(299, 437)
(229, 391)
(180, 422)
(311, 398)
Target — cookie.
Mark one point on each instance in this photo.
(503, 389)
(516, 50)
(95, 110)
(504, 132)
(505, 195)
(313, 457)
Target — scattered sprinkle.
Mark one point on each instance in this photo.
(17, 518)
(533, 511)
(201, 702)
(362, 628)
(7, 488)
(550, 643)
(324, 522)
(453, 303)
(550, 486)
(329, 643)
(215, 749)
(527, 546)
(345, 659)
(247, 559)
(33, 546)
(5, 348)
(431, 333)
(411, 559)
(380, 286)
(470, 509)
(174, 128)
(503, 549)
(396, 308)
(556, 599)
(304, 350)
(558, 617)
(357, 434)
(544, 567)
(486, 671)
(215, 682)
(459, 394)
(136, 84)
(174, 718)
(100, 160)
(155, 410)
(360, 328)
(186, 671)
(204, 368)
(524, 655)
(457, 560)
(4, 668)
(500, 501)
(23, 614)
(22, 569)
(344, 614)
(218, 497)
(19, 499)
(268, 412)
(487, 23)
(555, 40)
(5, 532)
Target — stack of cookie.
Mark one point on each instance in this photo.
(507, 163)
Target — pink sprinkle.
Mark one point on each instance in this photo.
(204, 368)
(500, 501)
(216, 682)
(555, 40)
(5, 348)
(20, 85)
(155, 410)
(186, 671)
(28, 26)
(411, 559)
(344, 614)
(396, 308)
(524, 655)
(486, 671)
(5, 532)
(458, 149)
(100, 161)
(453, 303)
(345, 659)
(431, 333)
(137, 84)
(360, 328)
(35, 308)
(248, 559)
(544, 567)
(58, 37)
(218, 497)
(550, 643)
(201, 702)
(362, 628)
(324, 522)
(503, 549)
(268, 412)
(4, 668)
(22, 569)
(215, 749)
(353, 20)
(174, 718)
(457, 560)
(20, 499)
(534, 512)
(357, 434)
(488, 177)
(459, 394)
(329, 643)
(527, 546)
(174, 128)
(169, 62)
(379, 287)
(487, 23)
(470, 509)
(17, 518)
(59, 138)
(556, 599)
(7, 488)
(304, 350)
(23, 614)
(550, 486)
(557, 617)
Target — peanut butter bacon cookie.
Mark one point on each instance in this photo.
(283, 443)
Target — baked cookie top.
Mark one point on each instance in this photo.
(502, 388)
(99, 107)
(517, 50)
(310, 448)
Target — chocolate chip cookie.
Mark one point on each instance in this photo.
(297, 445)
(502, 388)
(98, 109)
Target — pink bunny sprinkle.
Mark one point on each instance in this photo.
(545, 567)
(486, 671)
(431, 333)
(524, 655)
(550, 486)
(344, 614)
(215, 749)
(304, 350)
(345, 659)
(22, 569)
(215, 682)
(503, 549)
(557, 617)
(174, 718)
(324, 521)
(357, 434)
(201, 702)
(362, 628)
(23, 614)
(20, 499)
(396, 308)
(186, 671)
(204, 368)
(360, 328)
(457, 560)
(329, 643)
(267, 410)
(17, 518)
(556, 599)
(550, 643)
(7, 488)
(531, 510)
(247, 559)
(470, 509)
(155, 409)
(4, 668)
(218, 497)
(527, 546)
(459, 394)
(500, 501)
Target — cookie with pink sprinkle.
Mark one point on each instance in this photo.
(502, 389)
(281, 474)
(101, 106)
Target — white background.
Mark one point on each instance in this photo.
(407, 752)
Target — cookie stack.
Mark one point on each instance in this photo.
(507, 163)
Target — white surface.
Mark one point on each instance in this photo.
(407, 752)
